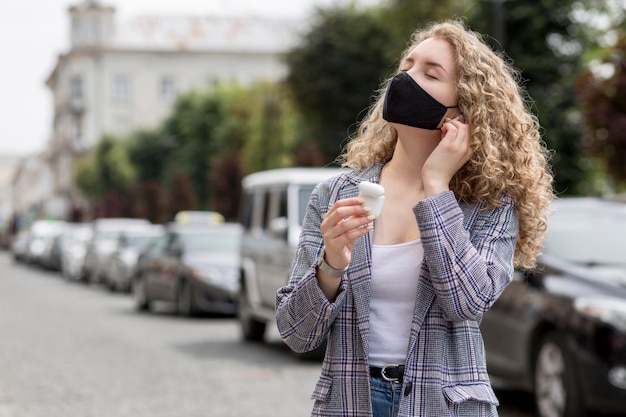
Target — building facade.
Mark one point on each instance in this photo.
(118, 77)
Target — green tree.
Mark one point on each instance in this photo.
(105, 175)
(544, 39)
(408, 15)
(149, 152)
(190, 128)
(250, 124)
(333, 72)
(602, 94)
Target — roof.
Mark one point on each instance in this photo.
(215, 33)
(300, 175)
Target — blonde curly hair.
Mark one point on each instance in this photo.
(508, 154)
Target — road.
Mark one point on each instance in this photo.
(74, 350)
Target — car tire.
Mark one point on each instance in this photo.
(252, 330)
(140, 294)
(184, 300)
(109, 284)
(556, 389)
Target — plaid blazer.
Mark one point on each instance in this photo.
(468, 261)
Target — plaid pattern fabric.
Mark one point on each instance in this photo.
(468, 261)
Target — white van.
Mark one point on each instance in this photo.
(273, 204)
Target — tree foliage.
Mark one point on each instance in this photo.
(196, 159)
(408, 15)
(105, 168)
(602, 95)
(333, 72)
(544, 40)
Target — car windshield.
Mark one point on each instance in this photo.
(109, 234)
(139, 240)
(587, 237)
(214, 241)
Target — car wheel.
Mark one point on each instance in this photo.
(252, 329)
(556, 389)
(109, 284)
(140, 294)
(81, 276)
(184, 300)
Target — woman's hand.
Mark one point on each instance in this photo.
(346, 221)
(447, 158)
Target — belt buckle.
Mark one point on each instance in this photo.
(383, 372)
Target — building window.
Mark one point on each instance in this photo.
(122, 87)
(77, 135)
(77, 34)
(95, 29)
(76, 87)
(167, 88)
(77, 105)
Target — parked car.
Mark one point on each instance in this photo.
(105, 233)
(74, 250)
(121, 266)
(197, 267)
(42, 235)
(272, 210)
(560, 331)
(52, 257)
(19, 245)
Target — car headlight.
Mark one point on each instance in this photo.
(611, 311)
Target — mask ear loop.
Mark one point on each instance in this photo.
(456, 118)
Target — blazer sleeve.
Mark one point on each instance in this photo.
(468, 267)
(303, 313)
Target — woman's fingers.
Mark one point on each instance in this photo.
(346, 221)
(345, 218)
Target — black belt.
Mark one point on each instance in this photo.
(391, 372)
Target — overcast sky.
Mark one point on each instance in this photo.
(34, 32)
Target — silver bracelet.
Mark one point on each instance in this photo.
(327, 269)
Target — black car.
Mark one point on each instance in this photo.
(195, 266)
(559, 331)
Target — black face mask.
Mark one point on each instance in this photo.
(408, 104)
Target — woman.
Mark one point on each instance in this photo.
(399, 298)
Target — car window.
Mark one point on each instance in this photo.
(245, 217)
(259, 206)
(587, 237)
(215, 241)
(157, 245)
(304, 193)
(282, 203)
(139, 240)
(265, 213)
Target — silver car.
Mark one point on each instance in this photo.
(105, 233)
(121, 266)
(74, 250)
(273, 207)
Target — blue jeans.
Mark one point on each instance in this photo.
(385, 397)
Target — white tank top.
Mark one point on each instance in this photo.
(395, 273)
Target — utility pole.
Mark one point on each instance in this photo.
(498, 28)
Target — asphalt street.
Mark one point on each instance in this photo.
(75, 350)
